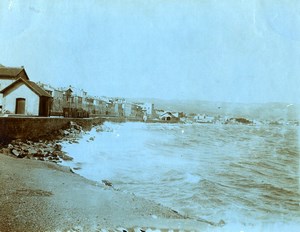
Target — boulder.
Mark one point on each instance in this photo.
(62, 155)
(75, 126)
(65, 157)
(107, 183)
(31, 151)
(17, 153)
(243, 120)
(57, 147)
(38, 154)
(66, 132)
(10, 146)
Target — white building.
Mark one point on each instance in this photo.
(18, 95)
(148, 108)
(9, 75)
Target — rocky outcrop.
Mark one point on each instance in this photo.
(42, 150)
(45, 150)
(103, 128)
(238, 121)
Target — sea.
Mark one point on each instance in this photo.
(244, 175)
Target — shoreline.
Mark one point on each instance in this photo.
(44, 196)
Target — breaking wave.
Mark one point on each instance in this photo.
(247, 176)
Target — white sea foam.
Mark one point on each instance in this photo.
(214, 172)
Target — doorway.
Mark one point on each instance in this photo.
(20, 106)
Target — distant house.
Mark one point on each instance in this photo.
(132, 110)
(90, 104)
(127, 108)
(168, 116)
(68, 99)
(118, 109)
(204, 118)
(58, 96)
(148, 109)
(26, 97)
(118, 104)
(178, 114)
(100, 106)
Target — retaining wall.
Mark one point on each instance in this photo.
(36, 127)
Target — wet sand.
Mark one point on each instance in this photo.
(43, 196)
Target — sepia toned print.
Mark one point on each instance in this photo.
(149, 115)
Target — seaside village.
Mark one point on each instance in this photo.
(22, 97)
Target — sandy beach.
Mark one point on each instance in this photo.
(44, 196)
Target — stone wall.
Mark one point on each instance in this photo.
(37, 127)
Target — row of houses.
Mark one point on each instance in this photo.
(68, 100)
(19, 95)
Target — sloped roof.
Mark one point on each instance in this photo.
(9, 72)
(30, 84)
(40, 91)
(166, 114)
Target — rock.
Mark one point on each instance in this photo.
(31, 150)
(66, 157)
(24, 147)
(41, 151)
(99, 129)
(38, 154)
(154, 216)
(63, 155)
(10, 146)
(66, 132)
(72, 123)
(243, 120)
(55, 153)
(57, 147)
(75, 126)
(221, 223)
(107, 183)
(61, 132)
(16, 153)
(17, 141)
(5, 151)
(48, 150)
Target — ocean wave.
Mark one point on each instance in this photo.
(243, 175)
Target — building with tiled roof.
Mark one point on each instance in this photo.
(19, 95)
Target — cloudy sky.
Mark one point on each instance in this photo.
(234, 51)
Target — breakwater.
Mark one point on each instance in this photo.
(38, 127)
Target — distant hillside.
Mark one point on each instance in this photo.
(262, 111)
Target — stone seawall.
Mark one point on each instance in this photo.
(36, 127)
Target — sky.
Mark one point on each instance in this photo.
(230, 51)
